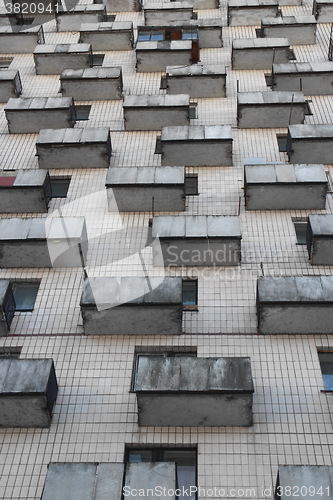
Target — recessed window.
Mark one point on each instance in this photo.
(259, 33)
(82, 112)
(301, 231)
(190, 294)
(158, 146)
(308, 110)
(59, 186)
(25, 294)
(191, 185)
(329, 181)
(282, 142)
(5, 62)
(291, 55)
(163, 84)
(193, 115)
(98, 59)
(269, 80)
(185, 460)
(326, 365)
(110, 18)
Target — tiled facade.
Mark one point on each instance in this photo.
(95, 415)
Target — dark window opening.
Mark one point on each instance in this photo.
(25, 294)
(110, 18)
(158, 146)
(291, 55)
(163, 84)
(59, 186)
(82, 112)
(269, 80)
(98, 59)
(190, 294)
(259, 33)
(308, 110)
(301, 231)
(326, 365)
(282, 142)
(191, 185)
(184, 458)
(330, 182)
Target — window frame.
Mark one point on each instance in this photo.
(300, 241)
(54, 179)
(195, 187)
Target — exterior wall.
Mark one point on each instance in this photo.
(86, 89)
(70, 22)
(88, 155)
(95, 416)
(150, 118)
(200, 252)
(297, 35)
(210, 38)
(18, 43)
(310, 150)
(24, 199)
(297, 319)
(32, 121)
(54, 64)
(311, 83)
(270, 116)
(250, 16)
(118, 40)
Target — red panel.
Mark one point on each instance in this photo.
(7, 181)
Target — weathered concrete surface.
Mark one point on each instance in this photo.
(159, 13)
(197, 240)
(305, 479)
(295, 305)
(10, 84)
(122, 5)
(28, 390)
(132, 306)
(323, 11)
(31, 114)
(152, 112)
(52, 59)
(197, 80)
(313, 78)
(285, 187)
(197, 145)
(300, 30)
(16, 41)
(74, 148)
(141, 476)
(320, 239)
(29, 191)
(155, 56)
(259, 53)
(144, 189)
(250, 12)
(194, 391)
(310, 143)
(83, 481)
(70, 20)
(112, 35)
(92, 84)
(270, 109)
(40, 242)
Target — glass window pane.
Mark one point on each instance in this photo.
(82, 112)
(301, 230)
(157, 35)
(190, 292)
(59, 187)
(140, 456)
(144, 36)
(25, 295)
(185, 461)
(326, 365)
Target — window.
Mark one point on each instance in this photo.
(147, 35)
(184, 458)
(5, 62)
(158, 146)
(269, 81)
(326, 365)
(282, 142)
(190, 294)
(163, 84)
(82, 112)
(329, 181)
(25, 294)
(301, 230)
(191, 184)
(59, 186)
(189, 34)
(291, 55)
(193, 111)
(308, 110)
(98, 59)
